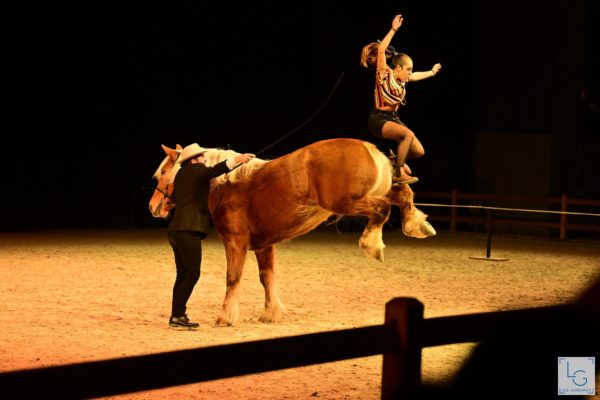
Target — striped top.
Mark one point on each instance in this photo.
(388, 90)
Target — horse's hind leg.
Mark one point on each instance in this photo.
(235, 251)
(414, 221)
(377, 208)
(273, 310)
(371, 240)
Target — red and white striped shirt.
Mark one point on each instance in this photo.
(388, 90)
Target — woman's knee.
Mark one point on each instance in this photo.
(419, 152)
(399, 133)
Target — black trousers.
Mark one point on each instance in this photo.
(187, 248)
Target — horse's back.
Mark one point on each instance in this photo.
(330, 170)
(349, 165)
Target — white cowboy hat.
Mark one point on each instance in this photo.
(191, 151)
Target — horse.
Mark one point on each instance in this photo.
(264, 202)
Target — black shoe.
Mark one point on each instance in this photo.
(182, 323)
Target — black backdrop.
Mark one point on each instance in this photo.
(94, 90)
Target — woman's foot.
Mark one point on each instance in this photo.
(404, 178)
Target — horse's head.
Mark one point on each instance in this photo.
(160, 202)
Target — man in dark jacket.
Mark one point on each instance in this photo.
(190, 224)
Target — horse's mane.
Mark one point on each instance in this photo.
(213, 157)
(157, 173)
(239, 174)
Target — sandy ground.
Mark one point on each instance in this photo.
(70, 297)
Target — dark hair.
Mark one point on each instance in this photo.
(399, 59)
(368, 57)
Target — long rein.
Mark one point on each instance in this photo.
(165, 191)
(220, 193)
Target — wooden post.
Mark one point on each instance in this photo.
(401, 375)
(453, 210)
(564, 205)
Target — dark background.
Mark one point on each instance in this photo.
(93, 90)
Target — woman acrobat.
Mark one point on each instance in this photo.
(390, 94)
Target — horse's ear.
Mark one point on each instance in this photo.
(172, 153)
(178, 147)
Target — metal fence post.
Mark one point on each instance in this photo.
(453, 211)
(564, 205)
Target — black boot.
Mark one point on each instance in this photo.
(182, 323)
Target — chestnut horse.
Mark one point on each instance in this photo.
(262, 203)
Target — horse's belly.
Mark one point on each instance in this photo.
(269, 231)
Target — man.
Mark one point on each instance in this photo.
(190, 224)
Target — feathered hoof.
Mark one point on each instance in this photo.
(271, 315)
(377, 254)
(427, 229)
(220, 322)
(269, 318)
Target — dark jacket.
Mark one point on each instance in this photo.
(192, 184)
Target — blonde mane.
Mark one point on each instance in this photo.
(213, 157)
(239, 174)
(171, 173)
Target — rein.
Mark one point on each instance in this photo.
(309, 119)
(220, 193)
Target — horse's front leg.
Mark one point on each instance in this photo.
(378, 210)
(235, 251)
(273, 310)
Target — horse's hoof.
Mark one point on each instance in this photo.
(266, 319)
(374, 253)
(427, 229)
(222, 322)
(271, 315)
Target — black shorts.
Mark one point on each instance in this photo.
(379, 117)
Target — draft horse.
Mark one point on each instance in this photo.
(264, 202)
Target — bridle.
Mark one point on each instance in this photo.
(166, 200)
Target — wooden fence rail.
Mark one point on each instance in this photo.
(563, 204)
(400, 340)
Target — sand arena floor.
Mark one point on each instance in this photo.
(76, 296)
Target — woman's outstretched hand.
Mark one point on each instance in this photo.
(397, 22)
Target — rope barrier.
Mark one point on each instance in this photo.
(506, 209)
(489, 221)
